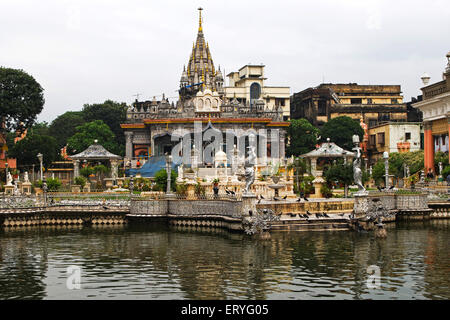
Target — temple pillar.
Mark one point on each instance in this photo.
(129, 145)
(314, 166)
(428, 147)
(76, 168)
(282, 144)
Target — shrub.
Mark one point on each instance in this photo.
(181, 189)
(199, 189)
(81, 181)
(161, 180)
(53, 184)
(86, 171)
(326, 191)
(37, 184)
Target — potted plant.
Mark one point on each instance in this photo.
(413, 180)
(216, 186)
(38, 186)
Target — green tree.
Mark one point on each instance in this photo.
(88, 132)
(340, 130)
(40, 128)
(112, 114)
(26, 150)
(378, 172)
(340, 173)
(64, 126)
(161, 180)
(302, 137)
(21, 99)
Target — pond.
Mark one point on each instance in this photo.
(162, 262)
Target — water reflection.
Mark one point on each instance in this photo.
(160, 262)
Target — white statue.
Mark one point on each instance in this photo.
(180, 171)
(25, 177)
(357, 172)
(9, 179)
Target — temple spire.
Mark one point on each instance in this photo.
(200, 29)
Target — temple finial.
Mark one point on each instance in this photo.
(200, 19)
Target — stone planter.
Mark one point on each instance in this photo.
(75, 188)
(275, 179)
(87, 187)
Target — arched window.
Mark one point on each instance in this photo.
(255, 91)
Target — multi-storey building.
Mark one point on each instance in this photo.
(374, 103)
(435, 106)
(393, 137)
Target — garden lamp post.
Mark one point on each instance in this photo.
(386, 169)
(40, 157)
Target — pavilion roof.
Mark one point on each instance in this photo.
(95, 152)
(328, 150)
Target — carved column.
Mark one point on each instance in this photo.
(76, 168)
(428, 146)
(129, 145)
(282, 144)
(314, 166)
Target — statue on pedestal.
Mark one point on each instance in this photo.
(9, 179)
(357, 172)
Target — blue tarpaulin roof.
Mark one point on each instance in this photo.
(149, 169)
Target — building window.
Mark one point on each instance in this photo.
(372, 140)
(255, 91)
(380, 138)
(369, 101)
(356, 101)
(394, 101)
(373, 122)
(279, 102)
(407, 135)
(322, 108)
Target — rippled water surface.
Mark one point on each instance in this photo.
(158, 262)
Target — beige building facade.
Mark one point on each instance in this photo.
(394, 137)
(248, 86)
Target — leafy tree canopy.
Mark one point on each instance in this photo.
(111, 113)
(339, 173)
(302, 137)
(90, 131)
(340, 130)
(414, 160)
(64, 126)
(21, 99)
(27, 149)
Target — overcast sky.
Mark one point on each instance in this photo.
(87, 51)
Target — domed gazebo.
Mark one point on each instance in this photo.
(326, 150)
(96, 152)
